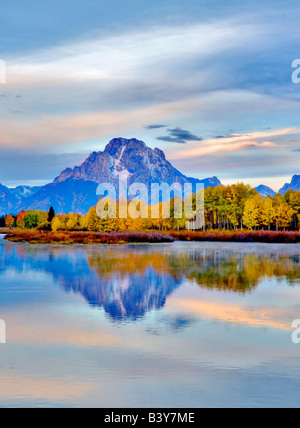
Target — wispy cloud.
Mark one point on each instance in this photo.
(191, 72)
(171, 140)
(66, 129)
(136, 52)
(233, 143)
(70, 92)
(151, 127)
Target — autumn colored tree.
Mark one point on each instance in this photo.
(268, 212)
(252, 212)
(283, 212)
(73, 221)
(9, 221)
(92, 220)
(83, 222)
(225, 207)
(293, 200)
(55, 224)
(20, 220)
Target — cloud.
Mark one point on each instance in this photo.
(220, 137)
(171, 140)
(155, 64)
(260, 158)
(233, 143)
(150, 127)
(183, 134)
(65, 129)
(137, 52)
(180, 136)
(111, 83)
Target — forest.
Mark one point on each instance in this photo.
(234, 207)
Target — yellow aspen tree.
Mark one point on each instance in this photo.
(268, 212)
(55, 224)
(252, 212)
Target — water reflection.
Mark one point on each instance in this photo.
(213, 325)
(127, 282)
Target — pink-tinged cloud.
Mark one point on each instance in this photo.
(76, 128)
(232, 143)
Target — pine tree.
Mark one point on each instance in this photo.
(51, 214)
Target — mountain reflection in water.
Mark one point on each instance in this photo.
(129, 281)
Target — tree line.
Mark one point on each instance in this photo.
(231, 207)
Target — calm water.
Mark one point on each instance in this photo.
(175, 325)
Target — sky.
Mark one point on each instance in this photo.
(207, 81)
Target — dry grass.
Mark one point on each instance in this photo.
(66, 237)
(43, 237)
(238, 236)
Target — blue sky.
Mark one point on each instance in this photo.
(209, 82)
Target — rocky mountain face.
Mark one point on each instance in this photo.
(265, 191)
(293, 185)
(8, 201)
(74, 190)
(21, 192)
(75, 196)
(130, 159)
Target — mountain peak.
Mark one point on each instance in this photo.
(122, 159)
(116, 146)
(8, 200)
(265, 191)
(131, 159)
(293, 185)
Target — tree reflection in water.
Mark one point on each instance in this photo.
(134, 282)
(129, 281)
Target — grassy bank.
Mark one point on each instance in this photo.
(67, 237)
(5, 230)
(238, 236)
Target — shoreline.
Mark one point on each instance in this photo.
(35, 236)
(87, 238)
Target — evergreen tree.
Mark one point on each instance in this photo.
(51, 214)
